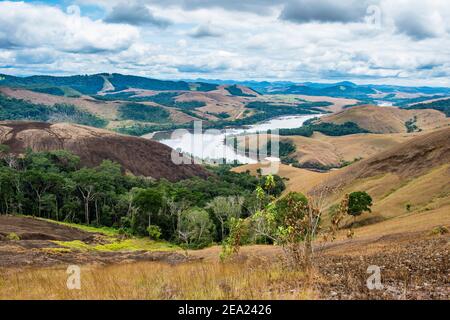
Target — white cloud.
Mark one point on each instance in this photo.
(24, 25)
(241, 40)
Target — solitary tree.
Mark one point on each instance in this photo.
(359, 202)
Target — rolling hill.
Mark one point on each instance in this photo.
(409, 178)
(138, 156)
(389, 119)
(322, 151)
(333, 151)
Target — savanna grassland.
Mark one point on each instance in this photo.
(414, 266)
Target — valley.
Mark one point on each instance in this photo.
(88, 178)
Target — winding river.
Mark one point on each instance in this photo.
(210, 144)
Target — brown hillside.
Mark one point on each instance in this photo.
(388, 119)
(409, 159)
(413, 174)
(332, 151)
(137, 155)
(329, 151)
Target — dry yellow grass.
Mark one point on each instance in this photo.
(298, 180)
(391, 193)
(151, 280)
(410, 222)
(337, 103)
(358, 145)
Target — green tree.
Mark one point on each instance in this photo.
(195, 228)
(7, 188)
(359, 202)
(150, 203)
(87, 182)
(224, 209)
(40, 182)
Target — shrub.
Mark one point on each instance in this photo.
(13, 237)
(408, 207)
(440, 230)
(154, 232)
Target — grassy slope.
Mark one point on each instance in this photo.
(414, 173)
(388, 119)
(332, 151)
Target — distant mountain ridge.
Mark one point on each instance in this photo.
(93, 84)
(329, 89)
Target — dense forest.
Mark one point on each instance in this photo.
(141, 112)
(83, 83)
(329, 129)
(234, 90)
(53, 185)
(123, 82)
(439, 105)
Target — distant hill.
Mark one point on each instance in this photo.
(442, 105)
(343, 89)
(139, 156)
(93, 84)
(139, 105)
(390, 119)
(340, 90)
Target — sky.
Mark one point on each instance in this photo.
(405, 42)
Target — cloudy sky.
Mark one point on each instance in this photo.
(366, 41)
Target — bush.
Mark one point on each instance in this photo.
(13, 237)
(440, 230)
(408, 207)
(282, 205)
(154, 232)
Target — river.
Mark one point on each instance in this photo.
(210, 144)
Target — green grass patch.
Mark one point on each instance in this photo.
(138, 244)
(107, 231)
